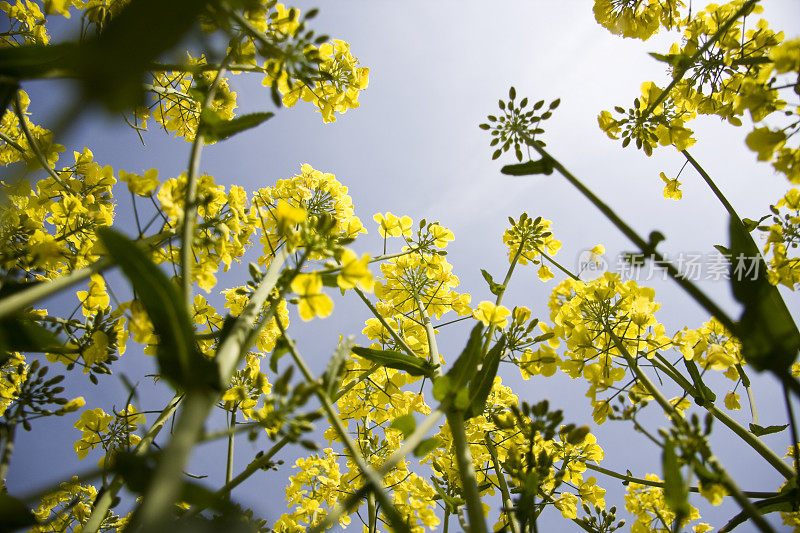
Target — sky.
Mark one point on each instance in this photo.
(414, 148)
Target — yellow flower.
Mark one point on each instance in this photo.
(141, 185)
(288, 216)
(355, 271)
(545, 274)
(732, 401)
(313, 302)
(393, 226)
(765, 142)
(672, 188)
(491, 314)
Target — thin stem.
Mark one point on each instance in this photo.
(257, 464)
(190, 201)
(8, 446)
(679, 422)
(35, 147)
(22, 299)
(643, 245)
(754, 442)
(651, 483)
(508, 504)
(549, 499)
(433, 349)
(231, 439)
(793, 429)
(762, 449)
(466, 470)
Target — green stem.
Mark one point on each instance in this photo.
(466, 470)
(8, 446)
(372, 511)
(549, 499)
(679, 422)
(754, 442)
(500, 294)
(508, 504)
(231, 439)
(660, 484)
(254, 466)
(713, 186)
(190, 201)
(433, 349)
(103, 503)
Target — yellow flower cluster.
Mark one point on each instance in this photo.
(178, 102)
(528, 240)
(600, 321)
(317, 484)
(68, 508)
(112, 432)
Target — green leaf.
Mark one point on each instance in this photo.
(540, 166)
(481, 385)
(217, 129)
(21, 334)
(35, 60)
(495, 288)
(14, 515)
(466, 365)
(676, 493)
(760, 431)
(281, 348)
(769, 336)
(333, 374)
(426, 446)
(112, 66)
(416, 366)
(406, 424)
(179, 359)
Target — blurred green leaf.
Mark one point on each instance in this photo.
(676, 494)
(769, 336)
(406, 424)
(426, 446)
(14, 515)
(179, 359)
